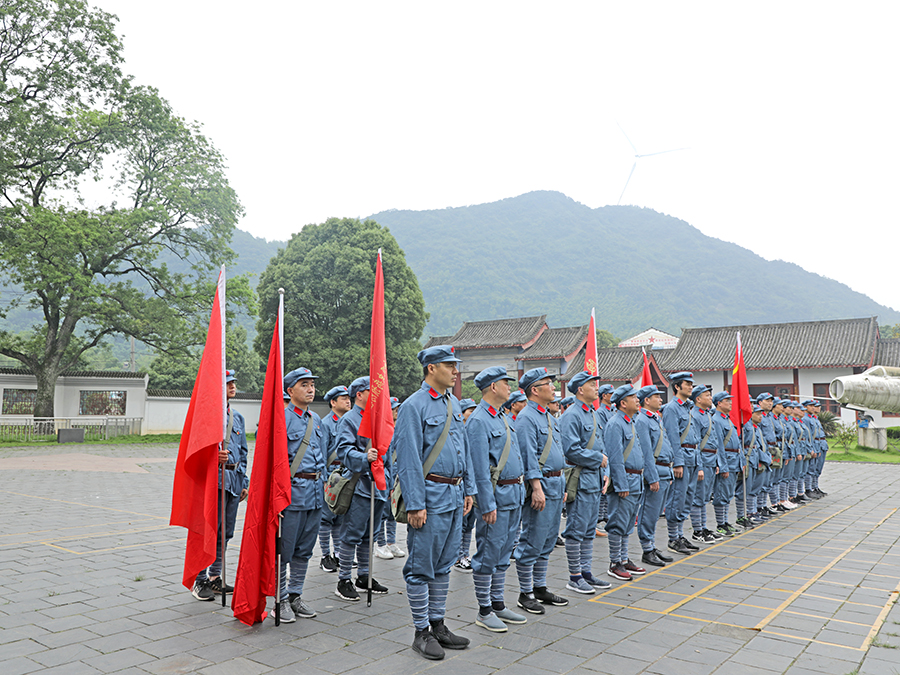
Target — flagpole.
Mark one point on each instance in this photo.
(222, 522)
(371, 542)
(224, 443)
(280, 321)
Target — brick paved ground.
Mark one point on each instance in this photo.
(89, 583)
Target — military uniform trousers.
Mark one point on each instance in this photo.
(723, 488)
(681, 496)
(539, 531)
(622, 510)
(704, 490)
(581, 516)
(231, 507)
(299, 531)
(433, 547)
(355, 528)
(494, 543)
(758, 482)
(650, 507)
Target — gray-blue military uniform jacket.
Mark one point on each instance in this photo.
(351, 451)
(650, 430)
(676, 417)
(486, 433)
(759, 457)
(624, 473)
(820, 443)
(329, 434)
(770, 440)
(236, 479)
(708, 447)
(801, 439)
(576, 426)
(783, 433)
(308, 490)
(604, 413)
(533, 424)
(729, 442)
(419, 425)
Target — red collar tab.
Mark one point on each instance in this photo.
(680, 402)
(433, 393)
(585, 407)
(335, 417)
(299, 411)
(648, 413)
(627, 418)
(541, 410)
(492, 410)
(608, 407)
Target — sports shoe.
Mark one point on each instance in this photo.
(216, 585)
(724, 531)
(427, 645)
(616, 571)
(542, 595)
(745, 522)
(529, 603)
(203, 591)
(463, 565)
(362, 583)
(286, 613)
(301, 609)
(703, 537)
(491, 622)
(580, 586)
(508, 616)
(384, 553)
(718, 536)
(820, 492)
(447, 639)
(780, 508)
(329, 563)
(396, 551)
(602, 584)
(345, 590)
(789, 505)
(600, 532)
(633, 569)
(688, 544)
(679, 546)
(560, 541)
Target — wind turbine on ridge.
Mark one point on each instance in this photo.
(637, 156)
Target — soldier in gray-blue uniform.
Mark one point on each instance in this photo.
(676, 417)
(301, 518)
(752, 443)
(710, 459)
(818, 446)
(782, 436)
(356, 455)
(233, 454)
(543, 460)
(801, 452)
(515, 403)
(767, 425)
(604, 412)
(821, 452)
(582, 444)
(760, 460)
(658, 458)
(338, 398)
(493, 448)
(626, 466)
(436, 502)
(729, 440)
(386, 533)
(789, 447)
(565, 402)
(464, 561)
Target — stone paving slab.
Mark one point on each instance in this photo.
(90, 570)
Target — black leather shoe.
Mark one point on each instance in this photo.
(662, 556)
(541, 594)
(529, 604)
(678, 545)
(650, 558)
(687, 543)
(445, 638)
(427, 645)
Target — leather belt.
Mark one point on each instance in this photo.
(820, 438)
(231, 467)
(510, 481)
(552, 474)
(635, 471)
(689, 445)
(727, 450)
(712, 452)
(668, 464)
(308, 476)
(435, 478)
(335, 464)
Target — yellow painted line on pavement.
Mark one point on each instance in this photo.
(114, 548)
(87, 506)
(95, 535)
(73, 527)
(891, 601)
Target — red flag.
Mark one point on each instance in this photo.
(377, 421)
(645, 378)
(590, 353)
(270, 493)
(741, 408)
(195, 490)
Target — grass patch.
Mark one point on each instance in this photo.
(857, 453)
(884, 645)
(139, 577)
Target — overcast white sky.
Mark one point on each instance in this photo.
(789, 112)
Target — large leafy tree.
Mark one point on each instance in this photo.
(328, 273)
(68, 115)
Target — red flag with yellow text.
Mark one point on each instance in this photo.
(377, 421)
(741, 407)
(590, 352)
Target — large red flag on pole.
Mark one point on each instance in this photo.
(270, 492)
(741, 408)
(195, 490)
(590, 352)
(377, 421)
(645, 378)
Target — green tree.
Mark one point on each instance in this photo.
(68, 114)
(606, 339)
(328, 273)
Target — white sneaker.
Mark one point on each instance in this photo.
(383, 552)
(786, 504)
(396, 550)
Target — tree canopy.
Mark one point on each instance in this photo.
(328, 273)
(67, 115)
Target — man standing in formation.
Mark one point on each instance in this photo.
(730, 443)
(709, 461)
(338, 399)
(682, 434)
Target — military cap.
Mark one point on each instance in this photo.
(809, 402)
(682, 376)
(515, 397)
(358, 385)
(533, 375)
(646, 392)
(287, 396)
(721, 396)
(230, 376)
(567, 401)
(467, 403)
(299, 374)
(606, 389)
(580, 379)
(757, 409)
(334, 392)
(763, 396)
(437, 354)
(699, 389)
(395, 402)
(488, 376)
(622, 392)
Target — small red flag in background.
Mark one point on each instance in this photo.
(195, 490)
(377, 421)
(270, 493)
(590, 353)
(741, 408)
(645, 378)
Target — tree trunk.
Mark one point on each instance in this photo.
(46, 391)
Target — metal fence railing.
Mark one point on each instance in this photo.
(16, 428)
